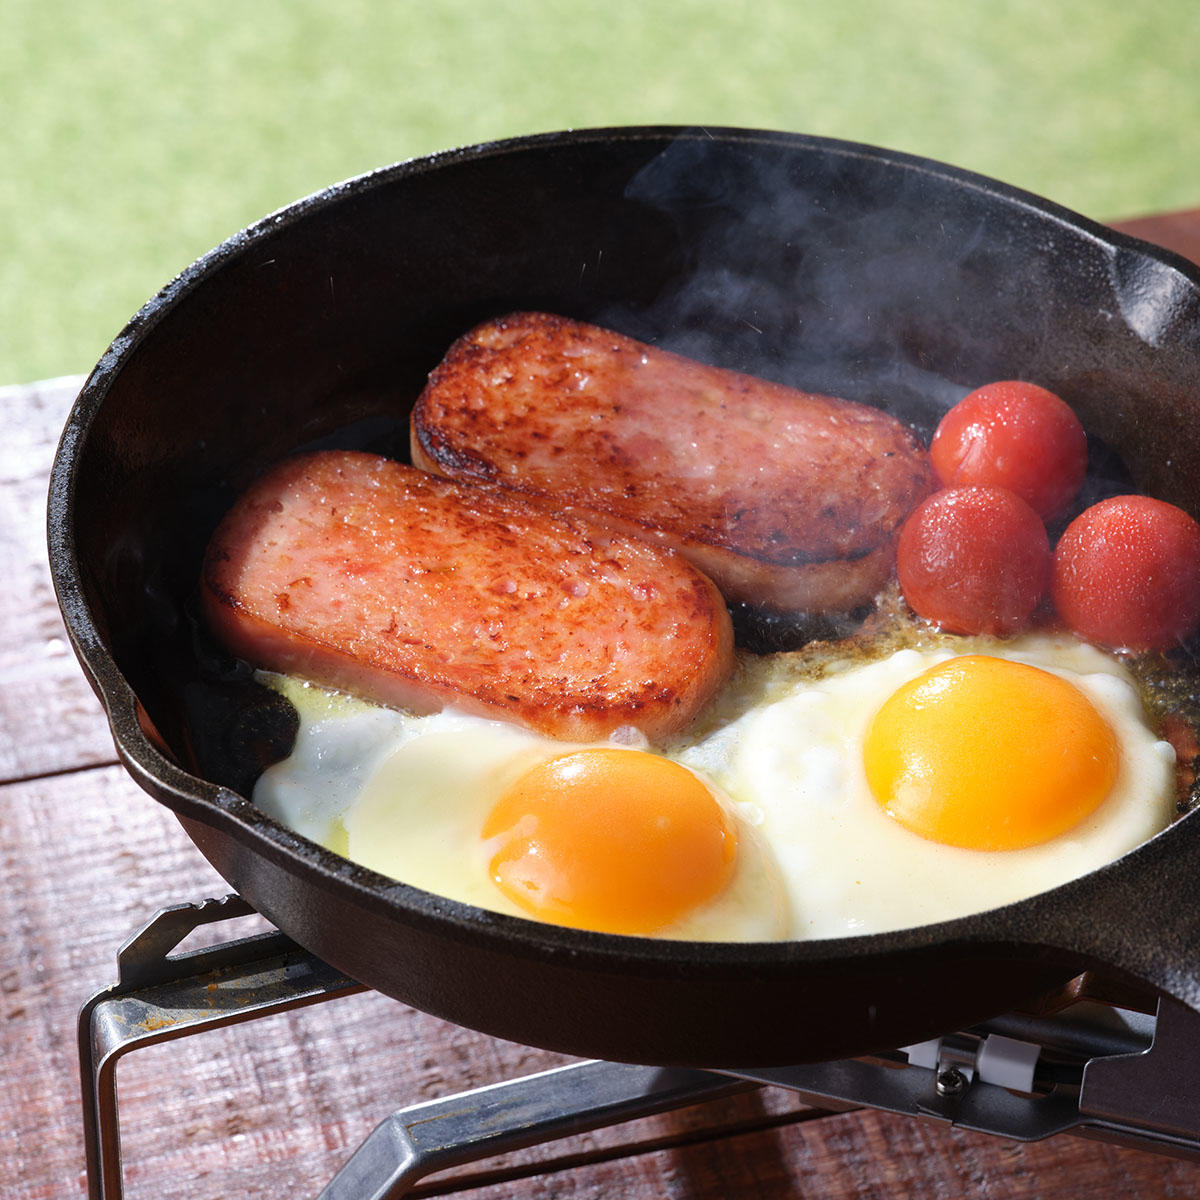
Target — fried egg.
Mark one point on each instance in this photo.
(608, 837)
(818, 796)
(943, 781)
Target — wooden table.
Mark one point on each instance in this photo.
(273, 1107)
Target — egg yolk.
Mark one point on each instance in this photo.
(989, 754)
(614, 840)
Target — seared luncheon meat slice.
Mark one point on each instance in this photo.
(365, 574)
(790, 501)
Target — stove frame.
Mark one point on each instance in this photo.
(1093, 1070)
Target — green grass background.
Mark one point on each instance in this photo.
(136, 134)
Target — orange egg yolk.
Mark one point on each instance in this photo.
(989, 754)
(607, 839)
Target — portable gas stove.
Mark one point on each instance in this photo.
(1128, 1075)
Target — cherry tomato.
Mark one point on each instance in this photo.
(1126, 574)
(1017, 436)
(974, 560)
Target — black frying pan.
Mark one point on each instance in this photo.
(838, 267)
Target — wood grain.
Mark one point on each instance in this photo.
(48, 714)
(270, 1109)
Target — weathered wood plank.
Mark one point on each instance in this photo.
(865, 1156)
(49, 718)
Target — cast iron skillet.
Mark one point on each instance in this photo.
(836, 266)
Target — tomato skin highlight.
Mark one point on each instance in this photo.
(1126, 574)
(974, 560)
(1013, 435)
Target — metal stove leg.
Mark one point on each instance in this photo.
(416, 1141)
(159, 996)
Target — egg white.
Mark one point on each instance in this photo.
(408, 796)
(781, 748)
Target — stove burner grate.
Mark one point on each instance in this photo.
(1093, 1070)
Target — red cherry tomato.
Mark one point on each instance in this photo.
(1127, 574)
(1017, 436)
(974, 560)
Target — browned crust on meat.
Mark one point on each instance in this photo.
(365, 574)
(788, 499)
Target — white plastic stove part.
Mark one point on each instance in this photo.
(1093, 1070)
(1004, 1061)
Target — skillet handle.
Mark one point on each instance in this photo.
(1139, 917)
